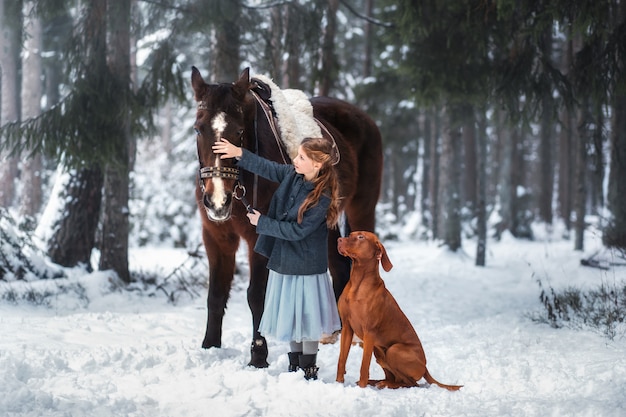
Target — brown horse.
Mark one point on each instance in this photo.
(233, 111)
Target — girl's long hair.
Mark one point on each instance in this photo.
(322, 151)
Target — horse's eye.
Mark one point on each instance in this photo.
(197, 131)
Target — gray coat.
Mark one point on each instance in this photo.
(292, 248)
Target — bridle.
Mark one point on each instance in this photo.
(239, 191)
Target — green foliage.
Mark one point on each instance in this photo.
(447, 45)
(81, 129)
(496, 51)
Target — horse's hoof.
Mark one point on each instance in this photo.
(208, 345)
(258, 353)
(262, 363)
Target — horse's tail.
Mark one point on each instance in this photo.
(428, 377)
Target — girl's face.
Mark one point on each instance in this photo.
(305, 165)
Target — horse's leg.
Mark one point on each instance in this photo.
(221, 256)
(256, 302)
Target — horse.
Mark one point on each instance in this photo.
(242, 113)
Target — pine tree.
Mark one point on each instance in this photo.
(89, 130)
(10, 35)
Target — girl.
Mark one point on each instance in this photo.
(300, 304)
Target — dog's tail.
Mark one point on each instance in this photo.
(428, 377)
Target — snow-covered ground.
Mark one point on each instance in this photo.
(94, 351)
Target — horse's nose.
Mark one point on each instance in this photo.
(218, 206)
(216, 201)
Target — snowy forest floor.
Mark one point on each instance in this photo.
(84, 346)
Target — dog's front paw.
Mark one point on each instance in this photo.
(362, 384)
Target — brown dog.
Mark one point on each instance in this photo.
(368, 310)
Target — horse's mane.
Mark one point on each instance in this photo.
(295, 115)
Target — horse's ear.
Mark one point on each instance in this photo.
(384, 259)
(196, 81)
(245, 75)
(242, 85)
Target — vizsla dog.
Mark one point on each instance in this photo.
(368, 310)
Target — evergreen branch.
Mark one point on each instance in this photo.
(366, 18)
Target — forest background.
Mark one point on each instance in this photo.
(494, 114)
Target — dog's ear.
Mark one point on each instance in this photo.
(383, 258)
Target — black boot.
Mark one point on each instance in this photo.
(307, 364)
(294, 361)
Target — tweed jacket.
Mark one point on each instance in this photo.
(292, 248)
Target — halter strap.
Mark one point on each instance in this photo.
(219, 172)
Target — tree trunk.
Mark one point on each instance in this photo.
(426, 169)
(226, 60)
(435, 177)
(32, 166)
(115, 219)
(367, 40)
(580, 198)
(520, 194)
(274, 47)
(546, 159)
(10, 36)
(566, 154)
(393, 187)
(469, 161)
(73, 238)
(481, 189)
(293, 38)
(329, 65)
(566, 138)
(451, 177)
(74, 233)
(505, 138)
(597, 163)
(614, 234)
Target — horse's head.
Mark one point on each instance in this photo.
(220, 114)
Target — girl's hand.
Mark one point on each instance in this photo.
(227, 149)
(254, 217)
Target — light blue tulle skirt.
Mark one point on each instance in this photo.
(299, 307)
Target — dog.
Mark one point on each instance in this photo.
(369, 311)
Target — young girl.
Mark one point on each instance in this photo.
(300, 304)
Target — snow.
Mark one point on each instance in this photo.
(94, 349)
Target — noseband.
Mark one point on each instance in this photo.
(219, 172)
(239, 191)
